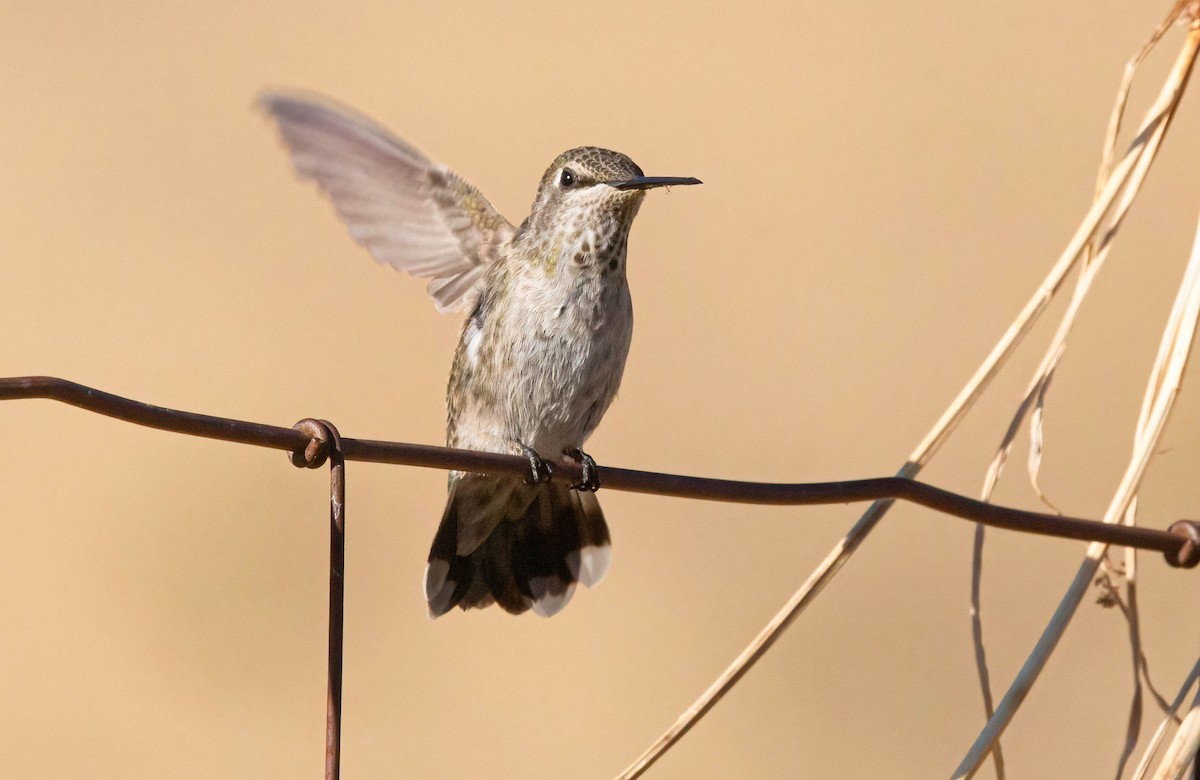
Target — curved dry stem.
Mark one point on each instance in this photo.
(1141, 667)
(1163, 388)
(1096, 255)
(1170, 717)
(1129, 171)
(1034, 400)
(1118, 113)
(807, 593)
(1133, 724)
(981, 665)
(1032, 406)
(1182, 751)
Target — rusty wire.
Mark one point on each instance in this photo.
(311, 443)
(325, 443)
(1178, 543)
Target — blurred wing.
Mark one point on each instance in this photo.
(412, 213)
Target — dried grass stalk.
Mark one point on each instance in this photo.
(1163, 388)
(1170, 717)
(1127, 175)
(1033, 403)
(1181, 753)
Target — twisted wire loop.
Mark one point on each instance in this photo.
(325, 444)
(1188, 554)
(316, 450)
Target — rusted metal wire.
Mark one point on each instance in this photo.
(1177, 543)
(325, 443)
(310, 443)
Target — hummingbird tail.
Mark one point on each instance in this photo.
(520, 546)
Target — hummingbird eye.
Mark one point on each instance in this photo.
(567, 178)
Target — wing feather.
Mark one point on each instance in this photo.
(410, 212)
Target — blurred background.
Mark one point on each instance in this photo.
(885, 184)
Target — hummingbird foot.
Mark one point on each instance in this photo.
(590, 480)
(539, 469)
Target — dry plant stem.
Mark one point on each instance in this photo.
(1033, 402)
(1141, 667)
(1155, 741)
(1130, 612)
(1097, 252)
(1133, 725)
(1118, 112)
(1163, 387)
(1123, 174)
(812, 587)
(1183, 748)
(981, 665)
(1034, 398)
(1139, 662)
(1053, 354)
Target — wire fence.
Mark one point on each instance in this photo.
(311, 443)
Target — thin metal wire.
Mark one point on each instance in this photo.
(325, 443)
(337, 599)
(1175, 543)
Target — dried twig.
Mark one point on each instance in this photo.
(1170, 717)
(1164, 385)
(1141, 666)
(1131, 171)
(1182, 752)
(1033, 402)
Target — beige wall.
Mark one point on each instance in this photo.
(885, 183)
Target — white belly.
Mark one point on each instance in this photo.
(545, 365)
(572, 368)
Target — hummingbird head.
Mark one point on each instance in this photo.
(589, 197)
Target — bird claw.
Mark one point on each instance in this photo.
(539, 469)
(590, 480)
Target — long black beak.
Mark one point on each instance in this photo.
(649, 182)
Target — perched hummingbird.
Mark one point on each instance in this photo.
(541, 352)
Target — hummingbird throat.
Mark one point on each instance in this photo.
(587, 242)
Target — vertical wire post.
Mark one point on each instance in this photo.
(337, 597)
(326, 443)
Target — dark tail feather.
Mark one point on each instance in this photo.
(546, 534)
(520, 546)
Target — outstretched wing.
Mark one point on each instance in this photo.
(411, 212)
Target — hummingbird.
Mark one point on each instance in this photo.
(548, 325)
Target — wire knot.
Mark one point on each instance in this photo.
(1188, 555)
(316, 451)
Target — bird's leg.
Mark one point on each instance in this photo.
(539, 469)
(590, 481)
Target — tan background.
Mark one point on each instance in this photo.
(885, 183)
